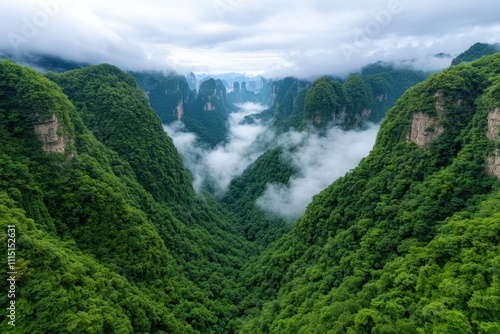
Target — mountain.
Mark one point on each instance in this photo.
(350, 103)
(204, 112)
(408, 241)
(99, 246)
(476, 51)
(105, 234)
(209, 119)
(257, 226)
(43, 62)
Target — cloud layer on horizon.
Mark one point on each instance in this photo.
(275, 38)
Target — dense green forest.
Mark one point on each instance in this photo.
(349, 103)
(204, 113)
(102, 247)
(476, 51)
(408, 241)
(111, 237)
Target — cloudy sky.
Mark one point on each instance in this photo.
(272, 37)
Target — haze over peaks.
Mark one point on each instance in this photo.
(276, 39)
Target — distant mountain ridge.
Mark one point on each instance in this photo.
(475, 52)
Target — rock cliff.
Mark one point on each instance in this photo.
(425, 128)
(48, 133)
(493, 164)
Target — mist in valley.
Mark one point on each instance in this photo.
(319, 159)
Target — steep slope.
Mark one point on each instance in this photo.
(257, 226)
(348, 103)
(169, 94)
(476, 51)
(113, 108)
(205, 113)
(408, 241)
(209, 118)
(95, 250)
(47, 195)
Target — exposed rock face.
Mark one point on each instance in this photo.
(424, 128)
(180, 110)
(493, 164)
(212, 96)
(493, 124)
(47, 132)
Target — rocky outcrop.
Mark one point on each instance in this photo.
(425, 128)
(48, 133)
(493, 163)
(180, 110)
(212, 96)
(493, 125)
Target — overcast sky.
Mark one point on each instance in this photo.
(271, 37)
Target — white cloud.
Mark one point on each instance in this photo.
(320, 160)
(217, 167)
(277, 38)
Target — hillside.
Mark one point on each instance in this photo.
(408, 241)
(204, 113)
(110, 236)
(100, 248)
(475, 52)
(270, 167)
(350, 103)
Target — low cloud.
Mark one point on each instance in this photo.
(320, 160)
(279, 38)
(216, 167)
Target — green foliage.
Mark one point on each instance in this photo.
(110, 237)
(271, 167)
(114, 109)
(406, 242)
(105, 255)
(475, 52)
(324, 103)
(359, 99)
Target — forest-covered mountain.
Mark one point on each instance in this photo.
(293, 103)
(111, 237)
(407, 242)
(350, 103)
(475, 52)
(203, 112)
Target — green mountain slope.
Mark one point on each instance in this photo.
(205, 113)
(407, 242)
(257, 226)
(111, 238)
(349, 103)
(476, 51)
(114, 109)
(96, 251)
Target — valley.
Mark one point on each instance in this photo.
(142, 204)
